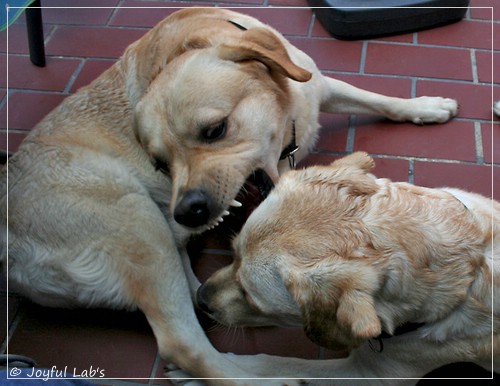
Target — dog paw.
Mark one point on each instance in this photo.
(496, 108)
(432, 110)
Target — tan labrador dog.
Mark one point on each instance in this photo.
(106, 190)
(352, 258)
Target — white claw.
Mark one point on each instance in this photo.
(225, 213)
(236, 204)
(219, 219)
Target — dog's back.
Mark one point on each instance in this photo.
(454, 264)
(434, 251)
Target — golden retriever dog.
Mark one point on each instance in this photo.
(354, 260)
(106, 190)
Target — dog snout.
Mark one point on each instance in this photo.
(193, 209)
(202, 299)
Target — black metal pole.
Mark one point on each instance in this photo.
(35, 33)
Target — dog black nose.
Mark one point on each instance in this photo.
(192, 210)
(201, 299)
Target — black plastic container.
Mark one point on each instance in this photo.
(363, 19)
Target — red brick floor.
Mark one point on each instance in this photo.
(453, 61)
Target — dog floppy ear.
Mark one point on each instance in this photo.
(352, 172)
(356, 313)
(262, 45)
(359, 159)
(335, 317)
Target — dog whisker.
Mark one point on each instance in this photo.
(216, 327)
(233, 333)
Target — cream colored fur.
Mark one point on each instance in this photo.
(348, 256)
(90, 220)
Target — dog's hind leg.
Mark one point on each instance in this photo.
(341, 97)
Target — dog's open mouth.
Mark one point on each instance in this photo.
(255, 189)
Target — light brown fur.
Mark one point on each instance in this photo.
(90, 220)
(347, 256)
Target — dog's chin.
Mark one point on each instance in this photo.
(255, 189)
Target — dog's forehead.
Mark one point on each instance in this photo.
(206, 89)
(202, 71)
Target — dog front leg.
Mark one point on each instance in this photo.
(401, 362)
(341, 97)
(406, 359)
(163, 294)
(153, 279)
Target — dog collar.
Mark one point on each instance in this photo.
(237, 25)
(291, 149)
(459, 200)
(401, 330)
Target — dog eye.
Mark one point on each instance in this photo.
(162, 166)
(215, 132)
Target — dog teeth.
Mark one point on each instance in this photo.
(236, 204)
(219, 219)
